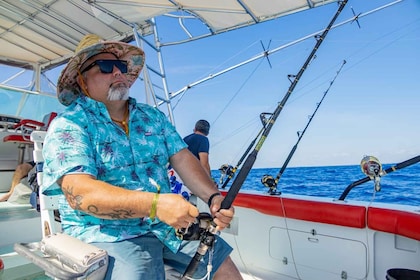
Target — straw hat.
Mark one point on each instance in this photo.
(90, 45)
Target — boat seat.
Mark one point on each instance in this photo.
(60, 255)
(25, 127)
(23, 130)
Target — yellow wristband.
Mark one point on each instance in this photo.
(154, 206)
(155, 199)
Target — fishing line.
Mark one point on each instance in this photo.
(242, 261)
(239, 90)
(240, 129)
(289, 239)
(184, 91)
(377, 50)
(367, 231)
(312, 89)
(229, 59)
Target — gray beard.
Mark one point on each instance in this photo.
(120, 92)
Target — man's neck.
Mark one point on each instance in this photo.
(198, 132)
(117, 109)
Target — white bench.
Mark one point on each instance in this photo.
(59, 255)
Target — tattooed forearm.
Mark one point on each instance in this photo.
(74, 200)
(115, 214)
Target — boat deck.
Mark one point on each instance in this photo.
(18, 267)
(18, 222)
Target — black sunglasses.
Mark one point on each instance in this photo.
(107, 65)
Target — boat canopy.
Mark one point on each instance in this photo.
(40, 35)
(44, 33)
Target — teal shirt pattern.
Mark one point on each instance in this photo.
(84, 140)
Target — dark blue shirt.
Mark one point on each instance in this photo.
(197, 143)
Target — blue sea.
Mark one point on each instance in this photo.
(401, 186)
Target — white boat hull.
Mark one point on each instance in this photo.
(287, 237)
(320, 238)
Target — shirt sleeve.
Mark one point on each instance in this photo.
(66, 150)
(204, 146)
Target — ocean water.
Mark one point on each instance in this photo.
(401, 186)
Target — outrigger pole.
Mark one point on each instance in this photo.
(267, 53)
(207, 237)
(270, 182)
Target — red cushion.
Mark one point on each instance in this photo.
(29, 123)
(334, 213)
(17, 138)
(395, 221)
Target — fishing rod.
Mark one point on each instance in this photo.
(207, 237)
(268, 180)
(400, 165)
(250, 160)
(230, 171)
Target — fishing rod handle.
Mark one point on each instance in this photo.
(192, 267)
(352, 185)
(403, 164)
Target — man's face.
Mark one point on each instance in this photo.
(101, 86)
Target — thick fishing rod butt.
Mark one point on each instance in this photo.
(192, 267)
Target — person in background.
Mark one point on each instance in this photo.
(107, 156)
(20, 176)
(199, 144)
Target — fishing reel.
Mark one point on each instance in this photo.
(205, 231)
(226, 170)
(271, 184)
(372, 168)
(197, 229)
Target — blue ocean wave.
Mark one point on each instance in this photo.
(401, 186)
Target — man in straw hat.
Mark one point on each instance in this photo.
(108, 156)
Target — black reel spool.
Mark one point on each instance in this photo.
(271, 184)
(196, 229)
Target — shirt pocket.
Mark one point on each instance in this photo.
(150, 149)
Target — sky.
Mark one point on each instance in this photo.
(372, 108)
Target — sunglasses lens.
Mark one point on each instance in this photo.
(122, 65)
(107, 66)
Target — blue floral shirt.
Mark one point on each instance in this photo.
(84, 140)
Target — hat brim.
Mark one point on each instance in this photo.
(67, 87)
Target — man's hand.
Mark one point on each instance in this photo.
(221, 217)
(175, 211)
